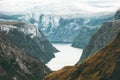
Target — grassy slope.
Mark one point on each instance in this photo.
(104, 65)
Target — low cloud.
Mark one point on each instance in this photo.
(63, 5)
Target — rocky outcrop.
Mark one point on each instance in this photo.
(28, 38)
(117, 15)
(104, 65)
(104, 35)
(15, 64)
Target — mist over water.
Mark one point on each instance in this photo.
(67, 56)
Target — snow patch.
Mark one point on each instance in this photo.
(30, 30)
(7, 28)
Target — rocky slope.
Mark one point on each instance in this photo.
(28, 38)
(63, 28)
(15, 64)
(104, 65)
(104, 35)
(81, 41)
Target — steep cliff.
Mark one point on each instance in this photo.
(104, 35)
(15, 64)
(104, 65)
(83, 37)
(117, 15)
(28, 38)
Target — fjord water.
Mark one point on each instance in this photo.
(67, 56)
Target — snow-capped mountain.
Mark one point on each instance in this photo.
(60, 20)
(28, 38)
(65, 28)
(32, 31)
(61, 28)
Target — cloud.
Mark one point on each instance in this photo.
(52, 6)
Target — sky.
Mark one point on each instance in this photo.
(61, 6)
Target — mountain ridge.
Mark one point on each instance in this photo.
(104, 35)
(29, 38)
(63, 29)
(15, 64)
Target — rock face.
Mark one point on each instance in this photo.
(65, 30)
(104, 35)
(28, 38)
(117, 15)
(104, 65)
(15, 64)
(61, 28)
(81, 41)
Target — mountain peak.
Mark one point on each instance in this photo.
(117, 15)
(29, 38)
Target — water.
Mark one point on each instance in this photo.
(67, 56)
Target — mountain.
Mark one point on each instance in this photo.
(28, 38)
(81, 41)
(104, 65)
(117, 15)
(63, 28)
(15, 64)
(104, 35)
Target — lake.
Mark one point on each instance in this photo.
(67, 56)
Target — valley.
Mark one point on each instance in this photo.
(60, 40)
